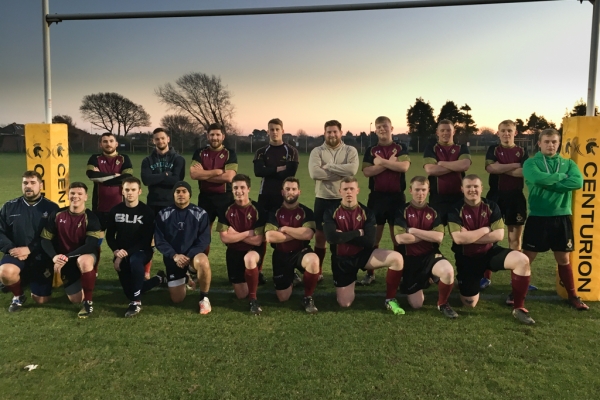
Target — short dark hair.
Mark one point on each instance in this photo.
(216, 126)
(158, 130)
(75, 185)
(241, 177)
(132, 179)
(420, 179)
(472, 177)
(276, 121)
(291, 179)
(445, 122)
(333, 122)
(32, 174)
(106, 134)
(349, 179)
(549, 132)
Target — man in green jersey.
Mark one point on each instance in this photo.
(550, 180)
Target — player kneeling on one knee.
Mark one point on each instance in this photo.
(182, 234)
(70, 238)
(241, 227)
(419, 231)
(350, 229)
(21, 222)
(290, 230)
(476, 227)
(130, 228)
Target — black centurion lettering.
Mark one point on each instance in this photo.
(586, 232)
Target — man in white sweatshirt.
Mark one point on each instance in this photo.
(328, 164)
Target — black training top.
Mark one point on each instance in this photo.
(130, 228)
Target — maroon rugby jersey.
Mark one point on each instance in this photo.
(485, 214)
(451, 182)
(222, 158)
(69, 231)
(388, 181)
(242, 218)
(108, 194)
(505, 155)
(424, 218)
(346, 220)
(300, 216)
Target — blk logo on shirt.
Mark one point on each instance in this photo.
(137, 219)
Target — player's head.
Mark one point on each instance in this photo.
(472, 188)
(445, 132)
(132, 189)
(182, 193)
(161, 139)
(333, 133)
(507, 130)
(291, 190)
(215, 135)
(349, 190)
(108, 143)
(240, 186)
(419, 189)
(32, 185)
(77, 195)
(384, 129)
(275, 131)
(549, 141)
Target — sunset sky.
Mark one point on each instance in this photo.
(505, 61)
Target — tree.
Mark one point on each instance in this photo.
(202, 97)
(63, 119)
(260, 135)
(535, 124)
(184, 132)
(421, 123)
(451, 112)
(112, 111)
(580, 109)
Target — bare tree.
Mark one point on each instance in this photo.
(184, 132)
(204, 98)
(113, 112)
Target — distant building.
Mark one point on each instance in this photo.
(12, 138)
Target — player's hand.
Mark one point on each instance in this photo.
(117, 174)
(378, 160)
(251, 233)
(283, 229)
(337, 230)
(325, 167)
(96, 169)
(463, 229)
(60, 259)
(58, 267)
(231, 231)
(120, 253)
(181, 260)
(282, 168)
(393, 158)
(20, 252)
(362, 233)
(117, 264)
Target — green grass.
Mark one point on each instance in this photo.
(362, 353)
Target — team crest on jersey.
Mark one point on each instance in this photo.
(428, 216)
(222, 155)
(45, 214)
(249, 216)
(117, 162)
(298, 217)
(358, 218)
(394, 151)
(570, 244)
(79, 224)
(453, 151)
(483, 214)
(518, 154)
(47, 273)
(519, 218)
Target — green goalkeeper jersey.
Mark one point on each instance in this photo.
(550, 181)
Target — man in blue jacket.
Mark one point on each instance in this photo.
(182, 234)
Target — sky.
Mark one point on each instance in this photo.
(505, 61)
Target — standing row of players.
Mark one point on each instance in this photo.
(331, 164)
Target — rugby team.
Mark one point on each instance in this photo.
(45, 246)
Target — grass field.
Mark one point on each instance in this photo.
(361, 353)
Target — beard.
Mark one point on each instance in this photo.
(291, 200)
(333, 142)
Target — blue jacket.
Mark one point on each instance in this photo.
(182, 231)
